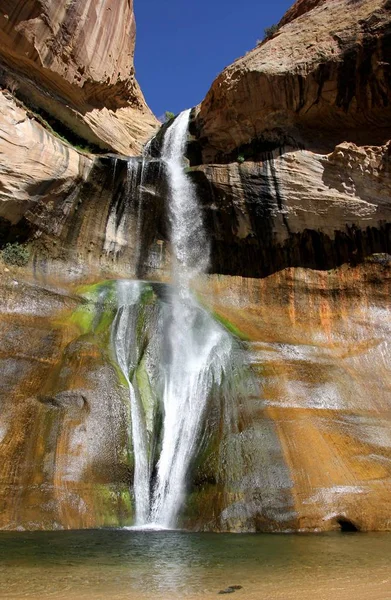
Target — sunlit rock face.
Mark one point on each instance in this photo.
(291, 160)
(322, 79)
(74, 61)
(36, 167)
(320, 343)
(309, 448)
(300, 7)
(64, 444)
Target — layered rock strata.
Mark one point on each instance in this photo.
(81, 212)
(291, 156)
(298, 208)
(36, 167)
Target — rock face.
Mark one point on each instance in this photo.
(63, 434)
(299, 8)
(321, 430)
(74, 61)
(82, 210)
(291, 147)
(36, 167)
(324, 78)
(298, 208)
(291, 155)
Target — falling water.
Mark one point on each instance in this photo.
(197, 347)
(117, 227)
(124, 336)
(196, 352)
(189, 242)
(139, 226)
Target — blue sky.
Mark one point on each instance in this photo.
(182, 46)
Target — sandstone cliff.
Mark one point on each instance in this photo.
(74, 62)
(323, 78)
(36, 166)
(291, 155)
(297, 208)
(291, 144)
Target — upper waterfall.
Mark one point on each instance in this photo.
(190, 246)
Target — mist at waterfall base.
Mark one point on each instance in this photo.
(179, 364)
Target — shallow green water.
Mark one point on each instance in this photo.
(165, 565)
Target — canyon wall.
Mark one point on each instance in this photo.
(290, 152)
(72, 62)
(323, 78)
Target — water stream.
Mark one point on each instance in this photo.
(124, 336)
(193, 351)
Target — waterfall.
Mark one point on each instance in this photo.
(189, 242)
(117, 226)
(193, 339)
(139, 226)
(124, 335)
(195, 354)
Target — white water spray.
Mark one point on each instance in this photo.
(197, 347)
(124, 335)
(197, 350)
(190, 246)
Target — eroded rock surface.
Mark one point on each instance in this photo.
(63, 431)
(298, 208)
(74, 60)
(300, 7)
(291, 156)
(320, 347)
(324, 78)
(36, 166)
(80, 209)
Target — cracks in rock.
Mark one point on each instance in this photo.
(278, 194)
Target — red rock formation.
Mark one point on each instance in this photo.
(301, 235)
(293, 164)
(299, 8)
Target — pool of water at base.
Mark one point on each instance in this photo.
(169, 565)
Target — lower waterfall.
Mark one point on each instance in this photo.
(124, 328)
(174, 356)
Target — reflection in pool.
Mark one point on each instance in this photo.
(119, 564)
